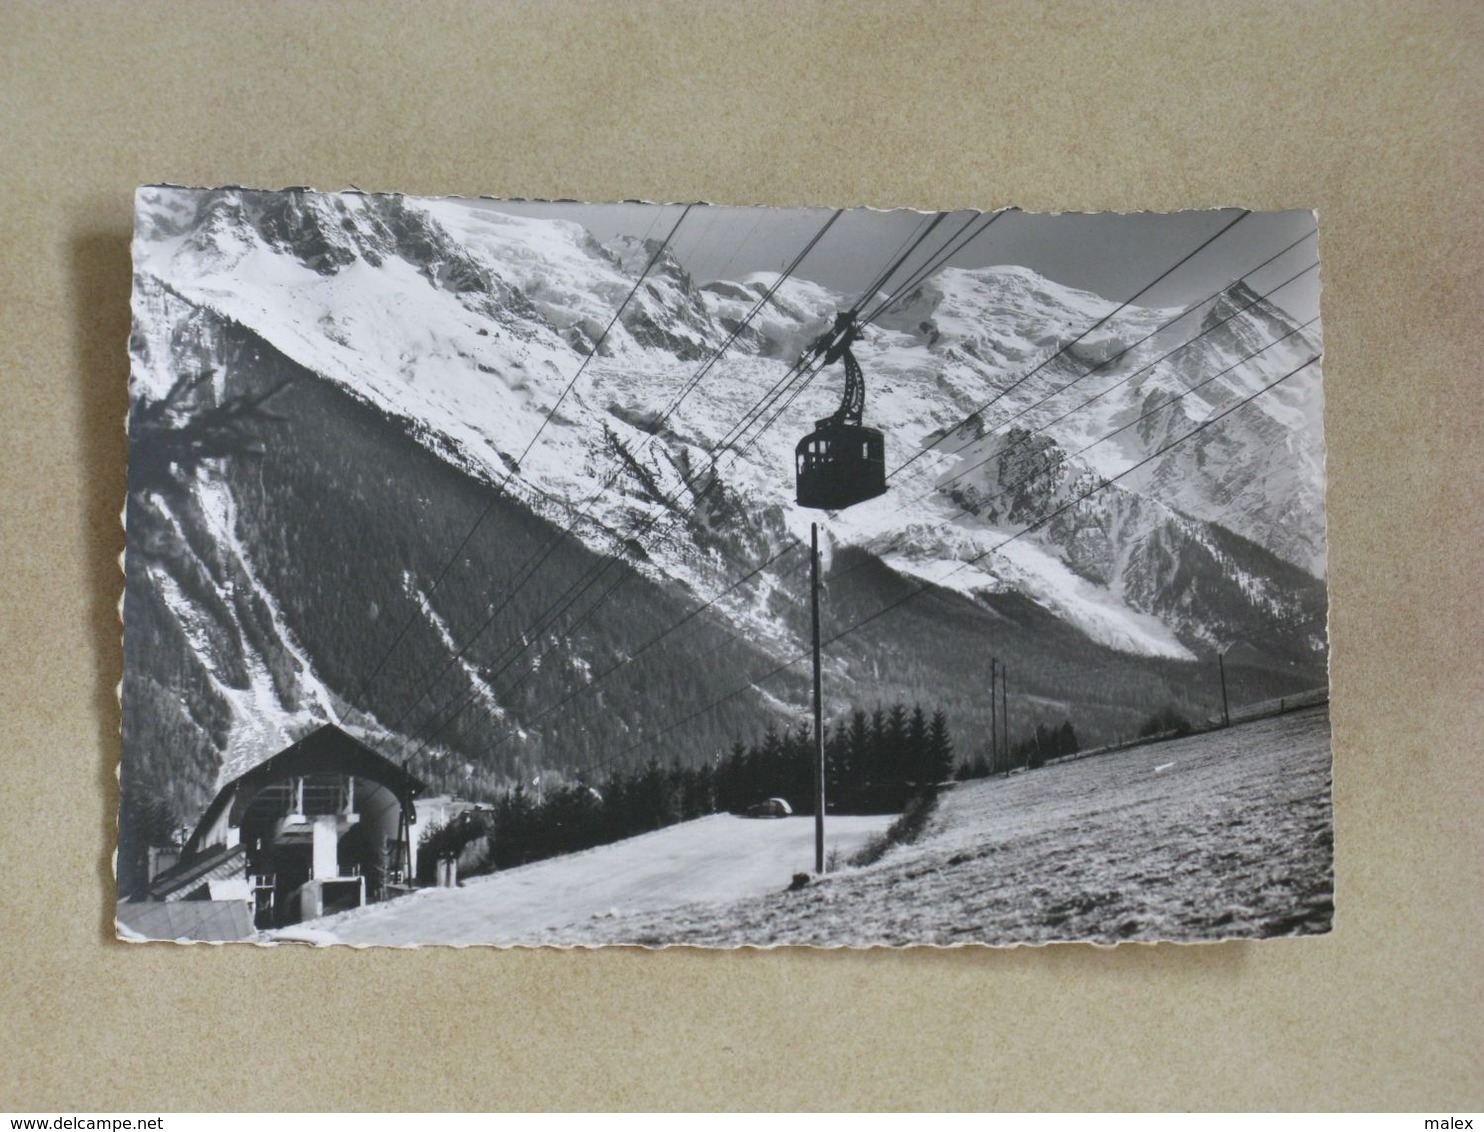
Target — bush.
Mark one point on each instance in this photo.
(904, 831)
(1165, 721)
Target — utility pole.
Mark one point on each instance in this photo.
(1005, 714)
(994, 720)
(1226, 715)
(818, 703)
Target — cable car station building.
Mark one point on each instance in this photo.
(321, 827)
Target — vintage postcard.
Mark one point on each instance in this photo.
(553, 573)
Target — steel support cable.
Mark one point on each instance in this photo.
(1125, 350)
(1102, 485)
(1040, 430)
(1005, 489)
(947, 250)
(934, 264)
(1225, 228)
(622, 577)
(528, 570)
(499, 491)
(765, 401)
(1150, 365)
(1159, 408)
(777, 390)
(722, 270)
(884, 277)
(881, 279)
(700, 240)
(756, 308)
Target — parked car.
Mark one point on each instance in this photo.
(772, 808)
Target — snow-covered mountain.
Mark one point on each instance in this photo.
(463, 328)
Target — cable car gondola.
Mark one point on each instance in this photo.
(842, 462)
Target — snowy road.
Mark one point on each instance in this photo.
(712, 860)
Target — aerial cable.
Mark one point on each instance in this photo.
(922, 272)
(885, 276)
(1103, 484)
(946, 252)
(549, 619)
(700, 240)
(960, 473)
(880, 281)
(756, 308)
(1035, 473)
(893, 262)
(1006, 488)
(935, 263)
(921, 452)
(490, 503)
(721, 271)
(527, 571)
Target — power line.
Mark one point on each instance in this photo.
(960, 473)
(1063, 349)
(932, 264)
(490, 503)
(549, 618)
(925, 587)
(528, 570)
(1035, 473)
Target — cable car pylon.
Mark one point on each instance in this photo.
(839, 464)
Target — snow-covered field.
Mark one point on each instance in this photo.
(1214, 836)
(713, 860)
(1220, 835)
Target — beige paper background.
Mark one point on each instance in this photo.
(1369, 112)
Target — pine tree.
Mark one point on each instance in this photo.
(940, 747)
(896, 761)
(1067, 739)
(916, 767)
(877, 772)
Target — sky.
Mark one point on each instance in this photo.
(1116, 255)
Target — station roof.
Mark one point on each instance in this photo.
(326, 750)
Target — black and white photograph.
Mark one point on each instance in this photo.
(547, 573)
